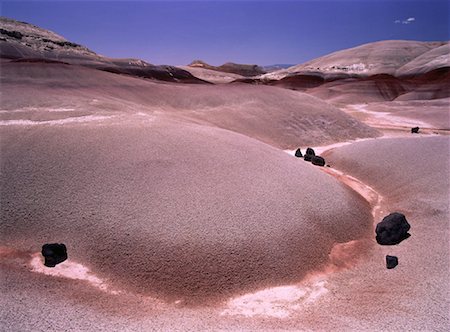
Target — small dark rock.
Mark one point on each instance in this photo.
(318, 161)
(308, 157)
(310, 151)
(54, 253)
(415, 130)
(391, 261)
(393, 229)
(298, 153)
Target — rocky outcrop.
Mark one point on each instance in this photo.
(393, 229)
(415, 130)
(54, 253)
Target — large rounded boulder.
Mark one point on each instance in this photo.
(393, 229)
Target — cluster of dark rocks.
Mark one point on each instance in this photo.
(392, 230)
(54, 253)
(310, 155)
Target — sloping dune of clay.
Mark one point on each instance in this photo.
(275, 116)
(170, 209)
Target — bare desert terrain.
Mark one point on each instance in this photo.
(182, 205)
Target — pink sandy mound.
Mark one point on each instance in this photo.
(170, 209)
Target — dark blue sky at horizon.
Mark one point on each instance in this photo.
(258, 31)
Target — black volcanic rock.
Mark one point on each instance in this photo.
(310, 151)
(415, 130)
(54, 253)
(308, 157)
(318, 161)
(391, 261)
(393, 229)
(298, 153)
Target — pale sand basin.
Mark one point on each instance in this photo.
(431, 115)
(282, 302)
(382, 119)
(71, 270)
(38, 109)
(78, 119)
(277, 302)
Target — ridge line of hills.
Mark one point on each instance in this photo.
(390, 69)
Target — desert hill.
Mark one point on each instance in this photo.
(165, 189)
(227, 74)
(229, 67)
(374, 72)
(181, 211)
(279, 117)
(383, 57)
(211, 75)
(172, 210)
(20, 40)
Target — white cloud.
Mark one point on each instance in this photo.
(408, 20)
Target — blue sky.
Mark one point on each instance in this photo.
(260, 32)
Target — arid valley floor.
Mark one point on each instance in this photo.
(183, 207)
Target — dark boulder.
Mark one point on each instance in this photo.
(310, 151)
(54, 253)
(318, 160)
(391, 261)
(308, 157)
(415, 130)
(393, 229)
(298, 153)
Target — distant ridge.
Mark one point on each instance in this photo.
(382, 57)
(379, 71)
(278, 66)
(20, 40)
(230, 67)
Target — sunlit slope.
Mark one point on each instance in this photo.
(280, 117)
